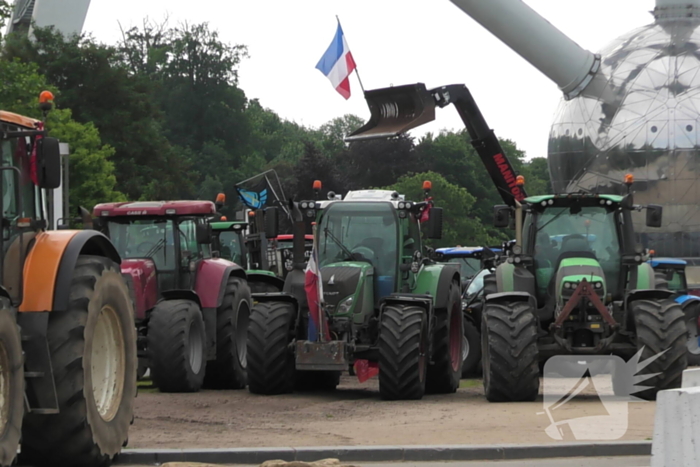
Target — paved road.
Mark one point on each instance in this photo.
(637, 461)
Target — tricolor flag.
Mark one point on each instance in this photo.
(337, 64)
(313, 285)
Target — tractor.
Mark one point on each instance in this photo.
(670, 274)
(575, 281)
(382, 303)
(67, 337)
(475, 263)
(191, 309)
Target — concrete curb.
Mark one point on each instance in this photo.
(386, 453)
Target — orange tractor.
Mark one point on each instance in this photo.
(67, 337)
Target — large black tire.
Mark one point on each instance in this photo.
(471, 366)
(660, 327)
(403, 348)
(12, 385)
(228, 370)
(509, 350)
(176, 346)
(691, 321)
(490, 284)
(271, 367)
(445, 370)
(93, 355)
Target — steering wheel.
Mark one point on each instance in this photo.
(144, 247)
(364, 253)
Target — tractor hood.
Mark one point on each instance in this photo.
(343, 285)
(573, 270)
(140, 275)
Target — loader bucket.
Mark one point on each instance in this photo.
(395, 110)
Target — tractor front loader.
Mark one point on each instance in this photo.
(67, 336)
(381, 302)
(575, 281)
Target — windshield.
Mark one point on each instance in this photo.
(144, 238)
(467, 266)
(675, 278)
(592, 230)
(230, 246)
(477, 283)
(365, 231)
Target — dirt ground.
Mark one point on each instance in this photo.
(355, 415)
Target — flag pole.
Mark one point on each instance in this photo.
(357, 73)
(319, 286)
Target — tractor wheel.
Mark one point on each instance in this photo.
(262, 287)
(316, 380)
(93, 354)
(270, 360)
(403, 348)
(660, 327)
(490, 284)
(471, 349)
(448, 340)
(176, 354)
(691, 321)
(11, 385)
(228, 371)
(510, 355)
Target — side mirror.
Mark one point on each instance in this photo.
(271, 223)
(204, 234)
(48, 163)
(501, 216)
(654, 215)
(433, 228)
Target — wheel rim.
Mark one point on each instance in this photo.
(692, 324)
(456, 338)
(108, 358)
(196, 347)
(5, 379)
(465, 349)
(242, 320)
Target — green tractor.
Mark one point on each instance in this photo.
(383, 302)
(576, 282)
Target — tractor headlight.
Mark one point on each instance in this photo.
(568, 285)
(310, 213)
(598, 285)
(345, 305)
(402, 205)
(408, 205)
(304, 205)
(517, 260)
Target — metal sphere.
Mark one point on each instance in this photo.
(640, 115)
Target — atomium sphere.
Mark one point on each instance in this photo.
(640, 115)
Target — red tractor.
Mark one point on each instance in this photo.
(191, 309)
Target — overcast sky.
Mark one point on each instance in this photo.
(393, 42)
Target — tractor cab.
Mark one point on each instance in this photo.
(671, 273)
(228, 239)
(368, 247)
(170, 237)
(470, 259)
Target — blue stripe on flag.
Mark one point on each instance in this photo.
(333, 54)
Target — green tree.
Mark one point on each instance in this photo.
(460, 226)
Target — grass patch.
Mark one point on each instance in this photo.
(146, 385)
(470, 383)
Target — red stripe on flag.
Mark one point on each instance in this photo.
(350, 62)
(344, 88)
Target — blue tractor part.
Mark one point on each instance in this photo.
(670, 274)
(470, 258)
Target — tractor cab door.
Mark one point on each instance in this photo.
(191, 252)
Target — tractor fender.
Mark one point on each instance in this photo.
(647, 294)
(284, 297)
(178, 294)
(48, 269)
(267, 279)
(212, 275)
(512, 297)
(435, 280)
(423, 301)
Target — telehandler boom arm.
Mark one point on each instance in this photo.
(396, 110)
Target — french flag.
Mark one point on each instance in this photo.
(313, 286)
(337, 64)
